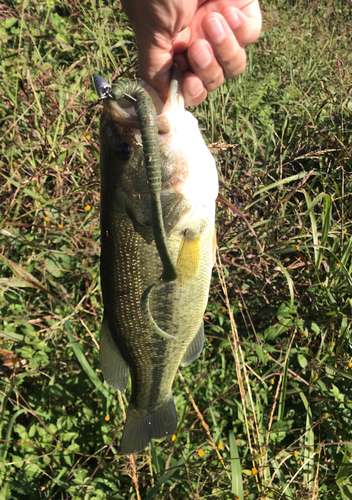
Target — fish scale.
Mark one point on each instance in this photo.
(131, 263)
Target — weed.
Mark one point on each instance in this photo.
(265, 412)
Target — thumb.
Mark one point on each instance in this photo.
(155, 60)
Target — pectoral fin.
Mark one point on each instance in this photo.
(188, 258)
(195, 347)
(113, 366)
(214, 247)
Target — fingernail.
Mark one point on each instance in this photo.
(202, 57)
(232, 18)
(214, 30)
(195, 88)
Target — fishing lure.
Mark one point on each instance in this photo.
(146, 114)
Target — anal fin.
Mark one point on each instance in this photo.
(214, 247)
(112, 364)
(194, 348)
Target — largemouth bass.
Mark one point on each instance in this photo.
(131, 261)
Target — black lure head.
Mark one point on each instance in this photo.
(102, 87)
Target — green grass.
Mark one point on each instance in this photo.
(266, 410)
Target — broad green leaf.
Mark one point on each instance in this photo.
(343, 476)
(9, 22)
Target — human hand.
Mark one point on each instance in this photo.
(205, 37)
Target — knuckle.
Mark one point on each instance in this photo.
(235, 65)
(214, 83)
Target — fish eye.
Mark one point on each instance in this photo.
(123, 151)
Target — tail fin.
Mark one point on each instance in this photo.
(141, 428)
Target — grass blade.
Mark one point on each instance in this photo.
(12, 335)
(280, 183)
(25, 276)
(167, 475)
(276, 466)
(313, 221)
(342, 335)
(288, 278)
(281, 409)
(327, 214)
(236, 472)
(99, 385)
(308, 442)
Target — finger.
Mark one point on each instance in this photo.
(205, 65)
(182, 62)
(155, 61)
(227, 51)
(246, 25)
(193, 89)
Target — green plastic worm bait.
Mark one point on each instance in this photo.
(146, 114)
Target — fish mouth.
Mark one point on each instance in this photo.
(124, 113)
(170, 120)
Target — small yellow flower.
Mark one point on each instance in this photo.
(46, 219)
(60, 169)
(200, 453)
(345, 230)
(244, 187)
(337, 264)
(233, 261)
(15, 164)
(340, 437)
(0, 342)
(173, 437)
(88, 137)
(220, 446)
(219, 203)
(254, 470)
(295, 454)
(94, 276)
(298, 462)
(107, 418)
(350, 364)
(60, 226)
(37, 334)
(269, 357)
(87, 208)
(272, 381)
(297, 247)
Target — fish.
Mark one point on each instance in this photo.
(152, 325)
